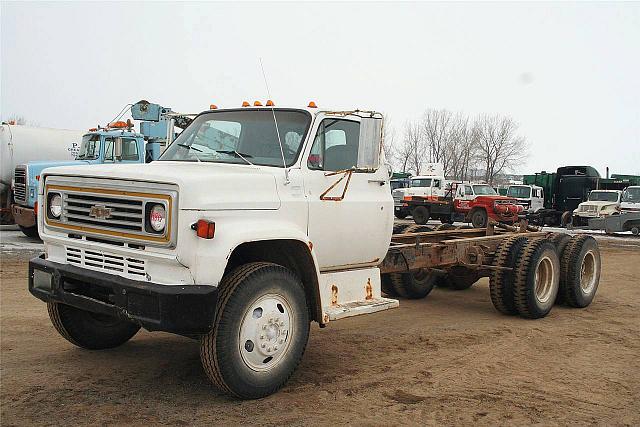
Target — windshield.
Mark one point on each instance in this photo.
(603, 196)
(90, 147)
(631, 195)
(519, 192)
(398, 184)
(424, 182)
(484, 190)
(241, 137)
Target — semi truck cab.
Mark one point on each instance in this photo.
(530, 197)
(631, 199)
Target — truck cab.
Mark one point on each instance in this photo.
(423, 186)
(530, 197)
(245, 230)
(480, 202)
(599, 203)
(116, 144)
(631, 199)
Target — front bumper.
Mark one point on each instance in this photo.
(180, 309)
(24, 217)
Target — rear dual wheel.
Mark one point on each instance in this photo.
(412, 285)
(580, 271)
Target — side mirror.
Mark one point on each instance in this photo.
(117, 149)
(369, 143)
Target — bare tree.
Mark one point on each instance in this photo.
(16, 119)
(414, 148)
(499, 147)
(461, 148)
(436, 126)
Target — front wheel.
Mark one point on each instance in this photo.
(30, 231)
(260, 331)
(400, 214)
(93, 331)
(421, 215)
(479, 218)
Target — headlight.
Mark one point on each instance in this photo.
(157, 218)
(55, 205)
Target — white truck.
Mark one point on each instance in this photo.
(256, 221)
(530, 197)
(630, 199)
(430, 184)
(600, 203)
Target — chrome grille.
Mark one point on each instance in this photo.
(505, 202)
(105, 261)
(588, 208)
(118, 213)
(20, 184)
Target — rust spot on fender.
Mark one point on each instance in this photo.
(310, 245)
(334, 295)
(368, 290)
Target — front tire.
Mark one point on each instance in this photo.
(400, 214)
(413, 284)
(30, 231)
(421, 215)
(260, 331)
(479, 218)
(92, 331)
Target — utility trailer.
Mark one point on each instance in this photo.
(529, 270)
(626, 221)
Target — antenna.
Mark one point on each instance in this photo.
(273, 111)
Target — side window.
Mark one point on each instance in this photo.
(436, 183)
(335, 147)
(130, 150)
(468, 190)
(108, 149)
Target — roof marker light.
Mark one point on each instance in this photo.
(213, 107)
(312, 105)
(257, 104)
(245, 104)
(270, 103)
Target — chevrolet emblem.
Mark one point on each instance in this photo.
(100, 212)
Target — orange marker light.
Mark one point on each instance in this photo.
(205, 229)
(312, 105)
(213, 107)
(37, 177)
(245, 104)
(270, 103)
(93, 129)
(257, 104)
(118, 125)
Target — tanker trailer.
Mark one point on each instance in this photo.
(21, 144)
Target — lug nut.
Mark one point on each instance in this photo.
(263, 345)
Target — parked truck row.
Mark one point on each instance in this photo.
(257, 221)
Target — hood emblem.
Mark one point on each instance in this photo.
(100, 212)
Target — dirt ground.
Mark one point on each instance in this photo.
(448, 359)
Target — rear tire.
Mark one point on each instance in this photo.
(566, 219)
(479, 218)
(30, 231)
(401, 214)
(414, 284)
(537, 279)
(501, 281)
(92, 331)
(580, 271)
(259, 333)
(420, 215)
(386, 285)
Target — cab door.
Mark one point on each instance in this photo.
(348, 191)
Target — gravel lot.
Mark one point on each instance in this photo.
(447, 359)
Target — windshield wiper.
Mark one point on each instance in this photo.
(243, 156)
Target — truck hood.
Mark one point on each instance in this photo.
(599, 205)
(202, 186)
(489, 198)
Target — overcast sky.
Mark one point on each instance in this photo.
(568, 73)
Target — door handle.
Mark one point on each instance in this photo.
(379, 181)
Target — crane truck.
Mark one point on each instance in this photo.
(117, 143)
(257, 221)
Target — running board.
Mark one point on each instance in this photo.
(340, 311)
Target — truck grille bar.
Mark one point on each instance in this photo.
(118, 213)
(20, 184)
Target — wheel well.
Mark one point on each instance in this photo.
(292, 254)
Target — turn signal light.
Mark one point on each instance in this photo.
(245, 104)
(312, 105)
(270, 103)
(213, 107)
(257, 104)
(205, 229)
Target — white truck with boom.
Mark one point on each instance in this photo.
(256, 221)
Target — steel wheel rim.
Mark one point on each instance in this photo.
(265, 332)
(545, 272)
(588, 273)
